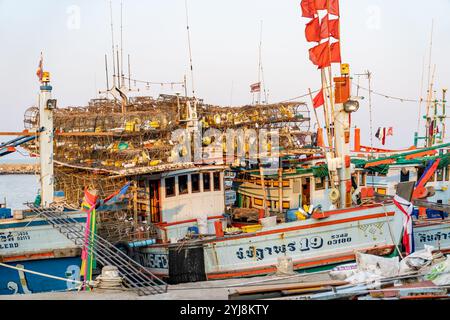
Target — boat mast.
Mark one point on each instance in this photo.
(46, 106)
(430, 88)
(190, 48)
(112, 45)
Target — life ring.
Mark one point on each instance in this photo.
(334, 195)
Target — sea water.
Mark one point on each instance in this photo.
(18, 189)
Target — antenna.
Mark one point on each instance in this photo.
(129, 73)
(121, 42)
(112, 44)
(190, 49)
(259, 63)
(118, 68)
(107, 76)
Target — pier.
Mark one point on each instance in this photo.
(18, 168)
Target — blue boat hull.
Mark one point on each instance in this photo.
(17, 282)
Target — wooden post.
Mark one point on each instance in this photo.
(263, 186)
(357, 139)
(280, 190)
(135, 205)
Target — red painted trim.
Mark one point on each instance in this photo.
(168, 224)
(25, 257)
(311, 226)
(297, 265)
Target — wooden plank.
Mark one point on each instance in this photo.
(293, 286)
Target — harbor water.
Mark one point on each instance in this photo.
(18, 189)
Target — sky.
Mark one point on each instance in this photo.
(389, 38)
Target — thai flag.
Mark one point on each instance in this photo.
(406, 208)
(256, 87)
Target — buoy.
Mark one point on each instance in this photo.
(334, 195)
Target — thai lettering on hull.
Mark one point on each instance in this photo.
(301, 245)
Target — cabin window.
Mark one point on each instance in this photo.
(170, 187)
(286, 205)
(183, 185)
(206, 182)
(319, 183)
(381, 191)
(404, 175)
(440, 174)
(195, 182)
(216, 180)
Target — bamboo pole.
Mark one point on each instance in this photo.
(315, 111)
(280, 190)
(263, 186)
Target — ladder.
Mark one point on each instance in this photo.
(136, 277)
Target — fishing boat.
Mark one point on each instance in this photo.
(332, 230)
(28, 241)
(34, 256)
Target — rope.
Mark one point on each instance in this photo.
(396, 98)
(40, 274)
(390, 231)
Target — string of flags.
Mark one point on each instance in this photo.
(382, 133)
(326, 32)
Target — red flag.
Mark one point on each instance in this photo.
(334, 7)
(312, 31)
(335, 53)
(318, 100)
(324, 31)
(321, 4)
(333, 26)
(308, 8)
(320, 55)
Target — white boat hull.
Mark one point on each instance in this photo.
(310, 243)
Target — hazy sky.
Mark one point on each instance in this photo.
(389, 38)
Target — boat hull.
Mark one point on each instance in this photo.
(434, 233)
(310, 244)
(33, 244)
(13, 281)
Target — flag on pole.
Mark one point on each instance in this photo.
(256, 87)
(333, 7)
(318, 99)
(406, 208)
(333, 26)
(312, 30)
(308, 8)
(335, 53)
(321, 4)
(320, 55)
(324, 30)
(40, 69)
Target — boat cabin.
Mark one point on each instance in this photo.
(175, 201)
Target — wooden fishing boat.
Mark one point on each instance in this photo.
(30, 242)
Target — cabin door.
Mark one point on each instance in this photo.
(155, 201)
(306, 191)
